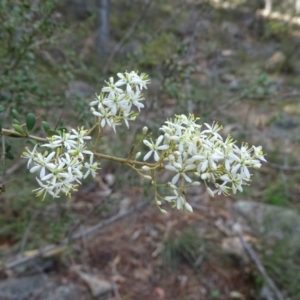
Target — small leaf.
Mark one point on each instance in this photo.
(1, 108)
(7, 148)
(9, 155)
(30, 121)
(0, 127)
(15, 121)
(15, 114)
(46, 126)
(19, 129)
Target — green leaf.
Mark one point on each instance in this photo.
(46, 126)
(15, 121)
(19, 129)
(9, 155)
(7, 148)
(0, 127)
(30, 121)
(15, 114)
(1, 108)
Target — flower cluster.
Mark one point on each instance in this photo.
(188, 151)
(117, 99)
(63, 163)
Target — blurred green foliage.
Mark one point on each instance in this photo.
(27, 28)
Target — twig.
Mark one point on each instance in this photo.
(12, 169)
(127, 35)
(3, 157)
(84, 233)
(253, 256)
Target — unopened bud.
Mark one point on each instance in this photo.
(204, 176)
(172, 186)
(137, 156)
(188, 207)
(257, 166)
(145, 168)
(147, 177)
(195, 183)
(145, 130)
(163, 211)
(210, 192)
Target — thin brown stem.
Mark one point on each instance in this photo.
(13, 133)
(124, 160)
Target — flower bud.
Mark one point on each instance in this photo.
(204, 176)
(210, 192)
(145, 168)
(195, 183)
(256, 166)
(138, 155)
(163, 211)
(167, 136)
(172, 186)
(147, 177)
(188, 207)
(171, 158)
(145, 130)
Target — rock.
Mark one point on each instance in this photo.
(286, 124)
(21, 288)
(39, 287)
(233, 246)
(61, 292)
(275, 62)
(97, 286)
(236, 295)
(273, 222)
(231, 80)
(266, 293)
(231, 28)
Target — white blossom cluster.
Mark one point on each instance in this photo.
(117, 99)
(188, 151)
(64, 165)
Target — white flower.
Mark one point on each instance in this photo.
(80, 151)
(112, 87)
(207, 160)
(213, 130)
(30, 155)
(80, 135)
(91, 167)
(154, 148)
(178, 198)
(44, 189)
(237, 180)
(42, 164)
(180, 168)
(258, 153)
(135, 97)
